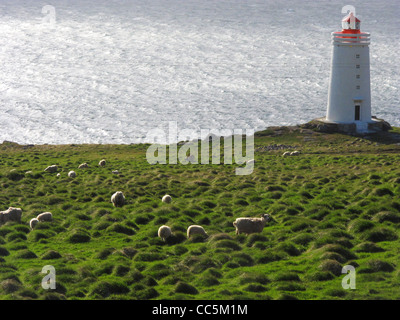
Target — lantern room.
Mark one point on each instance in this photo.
(350, 24)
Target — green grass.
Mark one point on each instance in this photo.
(335, 204)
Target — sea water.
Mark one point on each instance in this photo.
(110, 71)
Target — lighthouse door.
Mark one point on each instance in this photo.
(357, 112)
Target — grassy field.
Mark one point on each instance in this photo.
(336, 204)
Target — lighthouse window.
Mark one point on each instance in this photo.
(358, 87)
(358, 76)
(358, 66)
(357, 56)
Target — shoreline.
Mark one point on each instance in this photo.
(388, 132)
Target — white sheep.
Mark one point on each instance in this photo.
(167, 198)
(102, 163)
(295, 153)
(11, 214)
(51, 169)
(118, 199)
(164, 232)
(115, 172)
(251, 225)
(33, 222)
(72, 174)
(83, 165)
(286, 154)
(195, 229)
(45, 216)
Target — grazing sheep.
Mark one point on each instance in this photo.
(83, 165)
(51, 169)
(164, 232)
(115, 172)
(58, 174)
(118, 199)
(251, 225)
(102, 163)
(195, 229)
(167, 198)
(72, 174)
(286, 154)
(33, 223)
(11, 214)
(45, 216)
(295, 153)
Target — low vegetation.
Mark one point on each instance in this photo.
(335, 204)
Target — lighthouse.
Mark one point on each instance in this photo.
(349, 94)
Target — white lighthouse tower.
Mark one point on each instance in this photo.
(349, 96)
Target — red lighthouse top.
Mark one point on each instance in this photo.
(350, 24)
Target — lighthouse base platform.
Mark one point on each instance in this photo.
(355, 128)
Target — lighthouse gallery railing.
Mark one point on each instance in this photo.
(351, 38)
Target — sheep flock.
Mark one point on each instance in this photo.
(245, 225)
